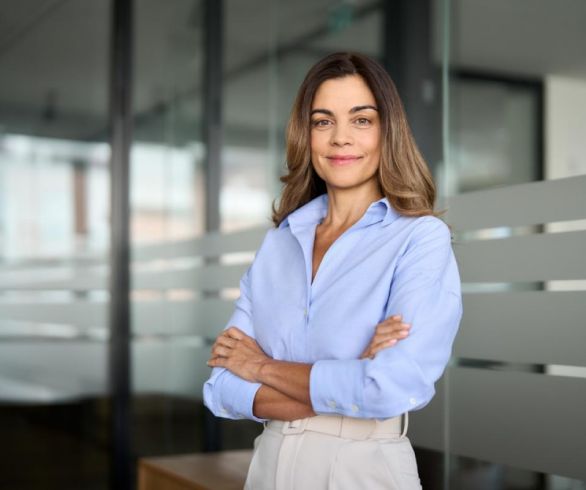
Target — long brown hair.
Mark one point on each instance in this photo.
(403, 175)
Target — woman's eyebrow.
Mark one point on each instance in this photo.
(359, 108)
(354, 109)
(322, 111)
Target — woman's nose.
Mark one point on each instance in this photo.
(341, 135)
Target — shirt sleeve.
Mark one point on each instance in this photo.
(426, 290)
(224, 393)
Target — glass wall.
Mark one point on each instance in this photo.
(514, 149)
(269, 46)
(180, 301)
(508, 167)
(54, 236)
(167, 208)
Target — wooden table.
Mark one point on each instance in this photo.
(224, 470)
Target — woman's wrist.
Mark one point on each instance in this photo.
(263, 372)
(272, 404)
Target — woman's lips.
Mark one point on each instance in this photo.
(343, 160)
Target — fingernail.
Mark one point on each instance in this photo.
(406, 325)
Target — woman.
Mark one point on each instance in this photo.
(347, 315)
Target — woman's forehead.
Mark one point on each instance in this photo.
(343, 94)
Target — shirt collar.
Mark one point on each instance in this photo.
(315, 210)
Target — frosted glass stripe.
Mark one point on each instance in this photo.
(539, 257)
(518, 205)
(524, 420)
(176, 368)
(208, 245)
(532, 327)
(205, 278)
(204, 318)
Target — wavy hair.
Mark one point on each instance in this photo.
(403, 175)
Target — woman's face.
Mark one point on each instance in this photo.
(345, 133)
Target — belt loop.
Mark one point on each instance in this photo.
(406, 424)
(294, 426)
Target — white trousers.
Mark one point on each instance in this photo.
(316, 461)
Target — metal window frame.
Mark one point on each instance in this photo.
(121, 130)
(121, 58)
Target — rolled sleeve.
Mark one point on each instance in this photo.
(426, 291)
(229, 396)
(224, 393)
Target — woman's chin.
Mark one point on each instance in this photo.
(345, 185)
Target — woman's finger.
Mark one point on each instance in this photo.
(380, 335)
(393, 319)
(221, 351)
(394, 334)
(365, 354)
(380, 342)
(382, 345)
(234, 332)
(226, 341)
(216, 362)
(383, 335)
(382, 327)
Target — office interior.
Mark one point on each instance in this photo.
(185, 102)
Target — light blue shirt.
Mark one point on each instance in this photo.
(384, 264)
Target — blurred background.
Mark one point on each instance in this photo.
(495, 92)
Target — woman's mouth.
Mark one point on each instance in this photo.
(340, 160)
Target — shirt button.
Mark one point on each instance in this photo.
(355, 408)
(332, 404)
(305, 312)
(412, 401)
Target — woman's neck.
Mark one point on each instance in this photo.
(346, 207)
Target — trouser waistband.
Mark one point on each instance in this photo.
(346, 427)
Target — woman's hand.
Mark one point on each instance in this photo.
(387, 334)
(239, 353)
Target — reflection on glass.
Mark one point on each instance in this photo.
(495, 135)
(517, 112)
(167, 208)
(264, 66)
(54, 238)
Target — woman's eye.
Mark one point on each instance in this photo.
(320, 123)
(362, 121)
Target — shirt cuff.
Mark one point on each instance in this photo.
(238, 399)
(328, 395)
(365, 388)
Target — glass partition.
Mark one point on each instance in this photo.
(496, 95)
(514, 167)
(54, 239)
(167, 209)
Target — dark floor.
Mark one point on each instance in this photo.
(68, 446)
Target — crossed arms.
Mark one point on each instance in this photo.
(284, 393)
(246, 383)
